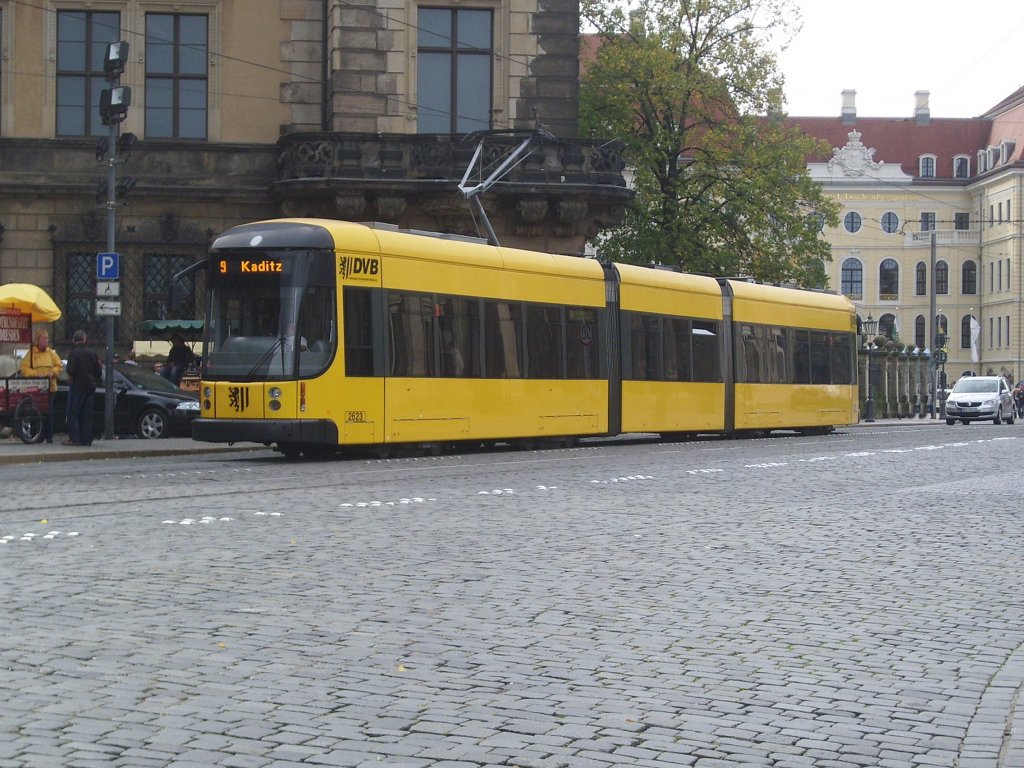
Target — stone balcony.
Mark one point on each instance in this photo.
(966, 237)
(562, 194)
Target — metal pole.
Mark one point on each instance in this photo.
(108, 405)
(869, 403)
(942, 386)
(934, 322)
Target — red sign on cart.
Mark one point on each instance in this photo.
(16, 329)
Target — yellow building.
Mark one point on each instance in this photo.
(250, 109)
(931, 221)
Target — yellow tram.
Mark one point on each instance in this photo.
(322, 334)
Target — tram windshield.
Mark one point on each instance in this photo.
(270, 316)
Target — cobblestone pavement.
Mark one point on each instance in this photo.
(852, 600)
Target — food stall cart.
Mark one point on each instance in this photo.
(24, 402)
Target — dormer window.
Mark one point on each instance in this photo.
(961, 167)
(1005, 151)
(927, 166)
(982, 161)
(993, 157)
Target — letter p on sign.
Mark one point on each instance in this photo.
(107, 266)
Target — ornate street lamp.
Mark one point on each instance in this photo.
(869, 326)
(941, 353)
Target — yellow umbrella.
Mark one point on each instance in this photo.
(29, 300)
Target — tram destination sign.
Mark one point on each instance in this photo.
(264, 266)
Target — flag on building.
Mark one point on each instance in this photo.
(975, 333)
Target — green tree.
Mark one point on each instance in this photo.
(722, 184)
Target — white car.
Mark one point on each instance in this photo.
(980, 398)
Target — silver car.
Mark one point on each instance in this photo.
(980, 398)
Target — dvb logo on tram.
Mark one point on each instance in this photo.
(358, 267)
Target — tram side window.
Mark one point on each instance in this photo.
(581, 343)
(841, 354)
(645, 347)
(544, 342)
(410, 329)
(704, 351)
(675, 349)
(358, 332)
(459, 323)
(748, 353)
(636, 347)
(777, 357)
(801, 357)
(669, 350)
(664, 348)
(503, 330)
(820, 362)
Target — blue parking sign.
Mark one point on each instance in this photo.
(107, 266)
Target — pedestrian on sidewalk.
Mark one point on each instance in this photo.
(42, 362)
(85, 372)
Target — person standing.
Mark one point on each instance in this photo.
(179, 358)
(42, 362)
(85, 372)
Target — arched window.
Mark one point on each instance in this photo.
(921, 279)
(888, 280)
(852, 279)
(887, 326)
(941, 277)
(969, 277)
(965, 332)
(941, 326)
(919, 332)
(927, 165)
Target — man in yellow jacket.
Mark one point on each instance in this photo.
(42, 362)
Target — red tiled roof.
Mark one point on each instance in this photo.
(1014, 99)
(589, 46)
(902, 141)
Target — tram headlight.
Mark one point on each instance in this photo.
(274, 392)
(207, 392)
(274, 405)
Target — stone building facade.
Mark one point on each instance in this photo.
(931, 220)
(251, 109)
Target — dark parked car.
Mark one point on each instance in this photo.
(145, 404)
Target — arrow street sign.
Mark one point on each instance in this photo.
(108, 309)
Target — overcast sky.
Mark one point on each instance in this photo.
(968, 55)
